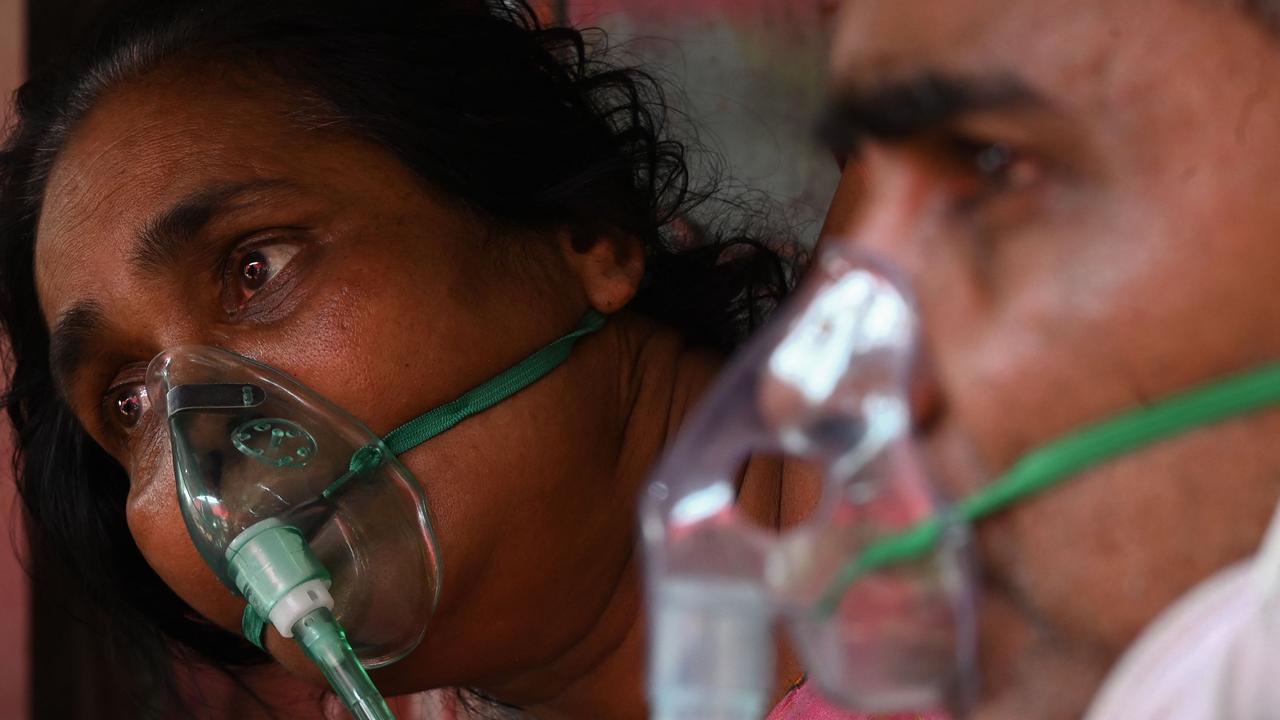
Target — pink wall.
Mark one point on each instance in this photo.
(14, 603)
(12, 21)
(14, 670)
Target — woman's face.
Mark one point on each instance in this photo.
(194, 212)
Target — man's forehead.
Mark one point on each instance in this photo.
(876, 40)
(1117, 66)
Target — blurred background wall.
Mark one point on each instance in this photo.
(748, 73)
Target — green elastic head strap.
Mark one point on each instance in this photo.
(1053, 463)
(434, 422)
(477, 400)
(508, 383)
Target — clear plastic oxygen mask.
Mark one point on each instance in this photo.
(824, 387)
(303, 511)
(873, 584)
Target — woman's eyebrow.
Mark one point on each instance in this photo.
(69, 343)
(159, 243)
(162, 239)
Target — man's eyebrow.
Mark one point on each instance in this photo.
(71, 339)
(161, 240)
(907, 108)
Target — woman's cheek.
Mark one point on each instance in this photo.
(157, 526)
(156, 523)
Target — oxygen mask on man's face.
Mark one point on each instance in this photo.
(873, 584)
(824, 388)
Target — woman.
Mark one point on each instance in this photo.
(392, 202)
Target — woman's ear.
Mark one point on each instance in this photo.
(610, 267)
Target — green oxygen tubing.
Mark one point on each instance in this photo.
(1051, 464)
(274, 568)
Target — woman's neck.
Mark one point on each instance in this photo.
(601, 676)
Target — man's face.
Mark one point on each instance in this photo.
(1081, 193)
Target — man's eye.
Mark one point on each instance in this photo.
(255, 268)
(126, 404)
(997, 167)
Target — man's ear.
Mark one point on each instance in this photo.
(609, 267)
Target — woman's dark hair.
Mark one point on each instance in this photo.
(526, 125)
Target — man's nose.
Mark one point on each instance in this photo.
(884, 222)
(842, 214)
(883, 203)
(924, 391)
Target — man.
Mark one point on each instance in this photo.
(1080, 195)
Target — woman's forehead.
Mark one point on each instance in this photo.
(139, 151)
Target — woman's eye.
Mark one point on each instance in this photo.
(256, 268)
(127, 404)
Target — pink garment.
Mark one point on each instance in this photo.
(804, 703)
